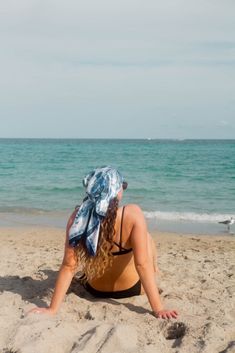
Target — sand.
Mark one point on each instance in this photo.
(197, 278)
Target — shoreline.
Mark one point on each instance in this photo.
(59, 220)
(155, 233)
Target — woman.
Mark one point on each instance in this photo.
(110, 244)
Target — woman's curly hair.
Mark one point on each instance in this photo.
(94, 266)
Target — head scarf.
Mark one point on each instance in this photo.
(102, 185)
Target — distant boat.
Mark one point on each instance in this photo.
(228, 223)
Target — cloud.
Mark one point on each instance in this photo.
(223, 123)
(121, 33)
(128, 59)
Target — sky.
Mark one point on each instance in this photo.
(117, 69)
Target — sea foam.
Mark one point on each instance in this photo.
(187, 216)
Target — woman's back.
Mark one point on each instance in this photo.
(122, 273)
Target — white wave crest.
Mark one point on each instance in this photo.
(187, 216)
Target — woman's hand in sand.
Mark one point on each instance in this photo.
(37, 310)
(166, 314)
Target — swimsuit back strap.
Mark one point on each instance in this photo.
(122, 250)
(123, 209)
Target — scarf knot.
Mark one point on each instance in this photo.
(102, 185)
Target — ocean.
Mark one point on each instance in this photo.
(181, 185)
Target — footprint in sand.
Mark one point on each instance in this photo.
(107, 338)
(230, 348)
(176, 330)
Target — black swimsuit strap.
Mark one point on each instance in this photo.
(120, 243)
(122, 250)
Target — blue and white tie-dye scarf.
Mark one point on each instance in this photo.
(102, 185)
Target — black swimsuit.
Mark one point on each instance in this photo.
(130, 292)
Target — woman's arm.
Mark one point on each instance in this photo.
(144, 264)
(65, 276)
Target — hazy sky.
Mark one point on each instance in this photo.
(125, 69)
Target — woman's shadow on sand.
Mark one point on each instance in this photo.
(30, 289)
(36, 291)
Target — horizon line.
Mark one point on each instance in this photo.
(115, 138)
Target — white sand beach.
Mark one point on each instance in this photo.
(197, 277)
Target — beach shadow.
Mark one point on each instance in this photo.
(35, 290)
(30, 289)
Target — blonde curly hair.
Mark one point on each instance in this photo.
(93, 267)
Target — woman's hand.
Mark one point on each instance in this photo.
(38, 310)
(166, 314)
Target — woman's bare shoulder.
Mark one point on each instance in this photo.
(136, 220)
(134, 211)
(71, 219)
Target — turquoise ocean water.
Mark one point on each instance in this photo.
(184, 185)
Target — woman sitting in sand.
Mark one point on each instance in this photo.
(110, 244)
